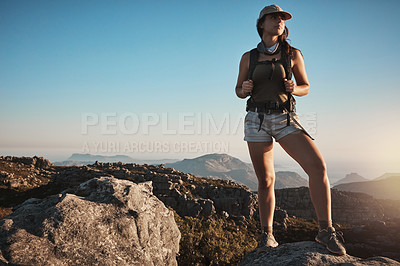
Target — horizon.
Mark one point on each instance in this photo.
(157, 79)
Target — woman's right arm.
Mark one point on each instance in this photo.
(244, 86)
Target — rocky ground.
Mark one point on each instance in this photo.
(103, 221)
(309, 253)
(218, 219)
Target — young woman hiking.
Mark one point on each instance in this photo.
(265, 75)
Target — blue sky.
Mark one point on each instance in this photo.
(62, 60)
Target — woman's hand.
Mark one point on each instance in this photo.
(289, 85)
(247, 87)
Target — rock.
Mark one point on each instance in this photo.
(308, 253)
(104, 220)
(240, 219)
(347, 207)
(38, 162)
(207, 207)
(225, 214)
(235, 201)
(20, 173)
(377, 226)
(281, 217)
(375, 238)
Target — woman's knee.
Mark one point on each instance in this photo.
(316, 168)
(266, 181)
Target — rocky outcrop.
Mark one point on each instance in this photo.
(308, 253)
(347, 208)
(38, 162)
(375, 238)
(24, 172)
(103, 221)
(187, 194)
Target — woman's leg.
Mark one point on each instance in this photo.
(302, 149)
(261, 154)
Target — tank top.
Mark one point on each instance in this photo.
(268, 83)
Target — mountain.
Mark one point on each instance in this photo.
(287, 179)
(386, 175)
(221, 166)
(79, 159)
(349, 178)
(386, 188)
(73, 163)
(226, 167)
(89, 157)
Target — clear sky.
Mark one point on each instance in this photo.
(151, 79)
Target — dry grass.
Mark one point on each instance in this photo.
(212, 241)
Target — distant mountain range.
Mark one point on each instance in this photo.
(224, 166)
(349, 178)
(386, 186)
(80, 159)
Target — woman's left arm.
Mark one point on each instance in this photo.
(302, 86)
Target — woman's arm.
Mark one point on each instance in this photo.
(302, 86)
(243, 86)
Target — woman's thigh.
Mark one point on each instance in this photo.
(262, 157)
(303, 150)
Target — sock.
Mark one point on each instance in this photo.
(267, 229)
(324, 224)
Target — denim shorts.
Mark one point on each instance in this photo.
(274, 125)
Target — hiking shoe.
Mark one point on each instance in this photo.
(332, 240)
(267, 241)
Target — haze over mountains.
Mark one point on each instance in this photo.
(386, 186)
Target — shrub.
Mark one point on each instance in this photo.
(212, 241)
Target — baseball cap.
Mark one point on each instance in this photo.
(274, 9)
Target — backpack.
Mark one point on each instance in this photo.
(287, 64)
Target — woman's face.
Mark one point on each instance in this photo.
(273, 24)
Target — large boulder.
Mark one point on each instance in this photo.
(104, 221)
(308, 253)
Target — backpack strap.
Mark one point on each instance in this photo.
(253, 62)
(287, 64)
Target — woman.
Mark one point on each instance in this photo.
(264, 75)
